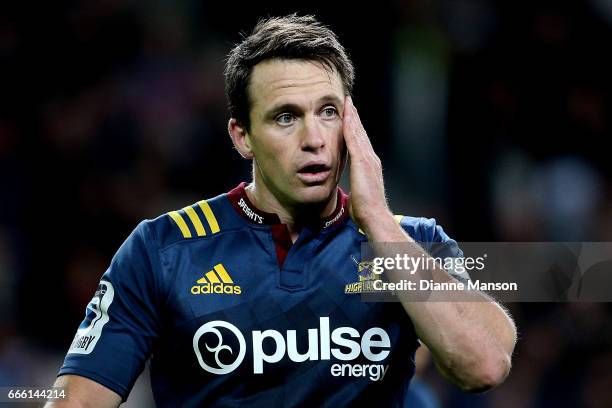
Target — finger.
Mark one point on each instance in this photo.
(359, 133)
(349, 126)
(348, 101)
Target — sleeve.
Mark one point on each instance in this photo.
(438, 244)
(121, 321)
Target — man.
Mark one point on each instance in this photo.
(243, 299)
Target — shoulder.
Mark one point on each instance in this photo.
(423, 229)
(206, 219)
(431, 236)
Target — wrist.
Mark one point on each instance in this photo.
(377, 220)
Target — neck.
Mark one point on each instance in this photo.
(294, 216)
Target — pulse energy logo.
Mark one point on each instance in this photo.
(374, 345)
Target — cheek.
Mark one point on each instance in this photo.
(265, 143)
(274, 155)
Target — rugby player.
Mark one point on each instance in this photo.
(249, 298)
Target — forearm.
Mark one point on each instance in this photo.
(471, 342)
(470, 336)
(84, 393)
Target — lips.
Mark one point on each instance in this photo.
(314, 168)
(314, 172)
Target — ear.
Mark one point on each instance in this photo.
(240, 138)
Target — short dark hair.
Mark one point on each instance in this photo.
(288, 37)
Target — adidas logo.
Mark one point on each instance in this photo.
(216, 281)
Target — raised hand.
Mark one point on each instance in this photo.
(368, 202)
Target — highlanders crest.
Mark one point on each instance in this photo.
(366, 277)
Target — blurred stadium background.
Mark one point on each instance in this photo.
(493, 117)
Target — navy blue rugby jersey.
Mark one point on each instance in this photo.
(232, 313)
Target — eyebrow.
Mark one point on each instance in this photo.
(292, 107)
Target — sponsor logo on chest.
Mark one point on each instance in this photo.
(216, 281)
(214, 345)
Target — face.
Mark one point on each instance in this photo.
(296, 130)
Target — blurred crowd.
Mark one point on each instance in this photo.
(492, 117)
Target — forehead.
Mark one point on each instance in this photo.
(296, 81)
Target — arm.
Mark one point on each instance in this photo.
(116, 336)
(83, 393)
(471, 341)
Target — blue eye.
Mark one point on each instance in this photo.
(330, 112)
(284, 119)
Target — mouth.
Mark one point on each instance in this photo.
(314, 173)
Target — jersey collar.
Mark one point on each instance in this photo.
(247, 210)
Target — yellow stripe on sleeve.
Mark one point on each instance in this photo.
(181, 223)
(195, 220)
(201, 280)
(212, 277)
(210, 217)
(223, 274)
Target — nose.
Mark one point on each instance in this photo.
(312, 137)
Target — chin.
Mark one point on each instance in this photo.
(314, 194)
